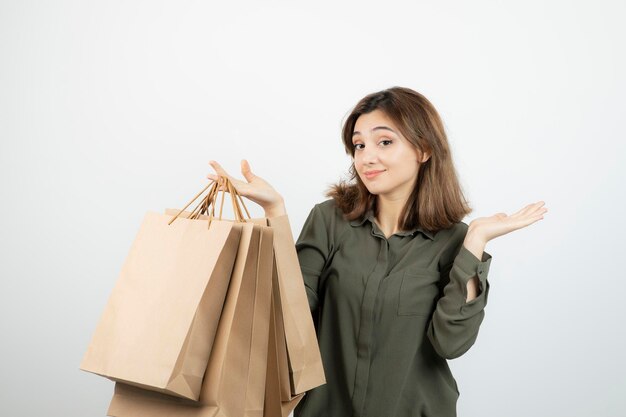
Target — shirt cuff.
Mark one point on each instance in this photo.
(468, 266)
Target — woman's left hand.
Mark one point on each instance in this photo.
(487, 228)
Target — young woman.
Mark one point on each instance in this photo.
(396, 281)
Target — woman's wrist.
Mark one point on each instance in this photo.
(276, 210)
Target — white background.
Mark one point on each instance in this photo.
(112, 108)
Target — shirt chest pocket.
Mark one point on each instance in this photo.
(419, 291)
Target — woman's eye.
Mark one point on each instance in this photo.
(356, 146)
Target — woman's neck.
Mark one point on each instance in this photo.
(389, 210)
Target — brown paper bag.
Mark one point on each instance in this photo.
(288, 400)
(160, 321)
(234, 382)
(278, 399)
(254, 399)
(305, 363)
(303, 356)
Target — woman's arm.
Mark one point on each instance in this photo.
(476, 246)
(276, 210)
(455, 323)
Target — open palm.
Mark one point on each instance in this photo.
(255, 188)
(500, 223)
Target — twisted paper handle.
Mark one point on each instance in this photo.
(210, 199)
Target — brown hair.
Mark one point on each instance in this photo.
(437, 201)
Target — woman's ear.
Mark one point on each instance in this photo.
(425, 156)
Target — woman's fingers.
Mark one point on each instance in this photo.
(500, 224)
(220, 172)
(240, 186)
(529, 214)
(536, 209)
(246, 171)
(529, 208)
(218, 168)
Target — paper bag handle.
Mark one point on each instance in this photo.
(210, 200)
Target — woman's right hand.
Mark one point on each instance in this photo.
(256, 188)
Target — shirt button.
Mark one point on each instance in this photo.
(480, 272)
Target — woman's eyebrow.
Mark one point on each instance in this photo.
(376, 128)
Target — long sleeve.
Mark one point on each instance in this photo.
(454, 325)
(313, 248)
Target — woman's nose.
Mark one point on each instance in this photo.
(369, 156)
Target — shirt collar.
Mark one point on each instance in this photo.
(369, 215)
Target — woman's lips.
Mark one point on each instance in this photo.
(373, 174)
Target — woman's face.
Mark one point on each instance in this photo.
(379, 146)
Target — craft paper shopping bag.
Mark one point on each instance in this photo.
(234, 382)
(305, 362)
(306, 370)
(160, 321)
(278, 399)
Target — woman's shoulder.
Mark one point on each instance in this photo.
(331, 212)
(328, 206)
(332, 217)
(452, 240)
(454, 234)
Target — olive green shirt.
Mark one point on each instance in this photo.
(388, 313)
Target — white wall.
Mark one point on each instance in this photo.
(112, 108)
